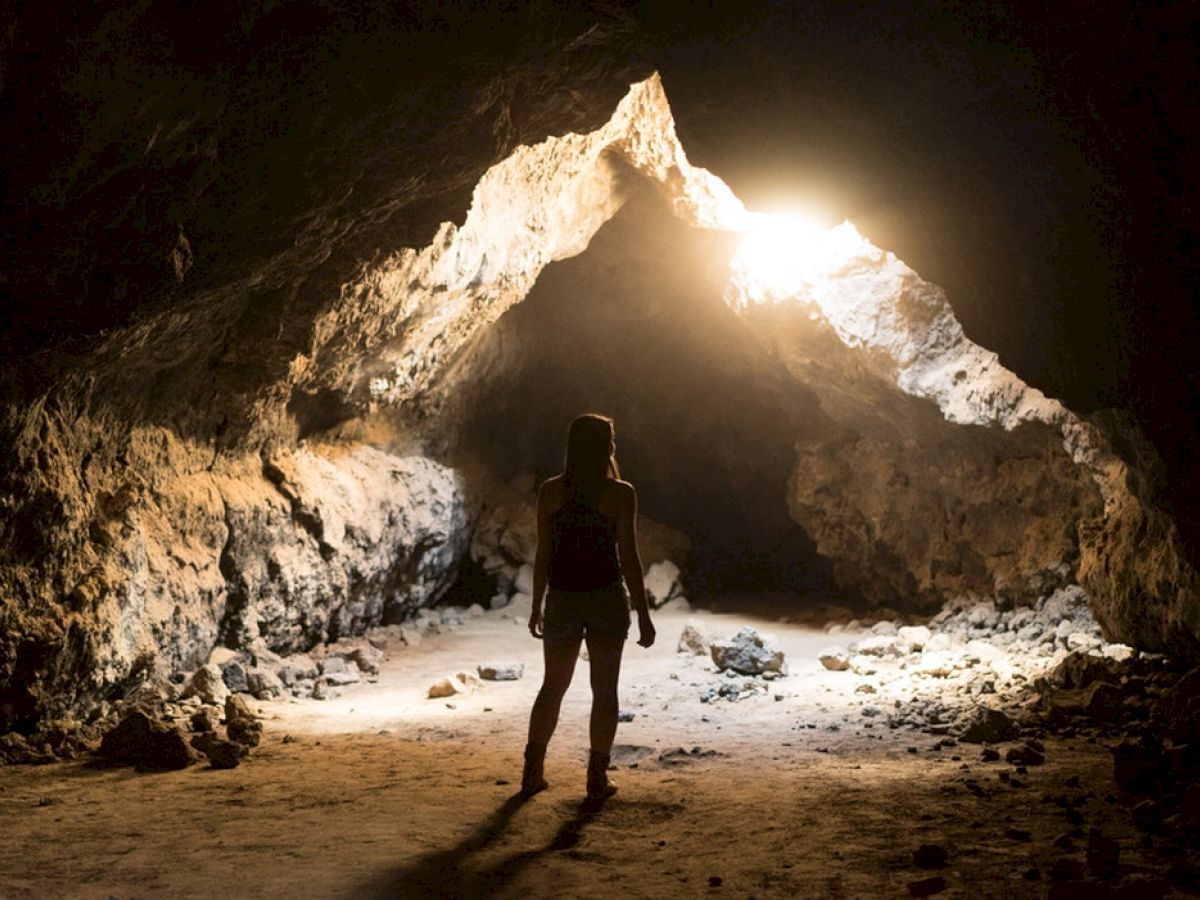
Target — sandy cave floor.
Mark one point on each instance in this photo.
(381, 792)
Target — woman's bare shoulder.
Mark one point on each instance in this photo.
(552, 487)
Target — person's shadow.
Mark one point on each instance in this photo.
(449, 873)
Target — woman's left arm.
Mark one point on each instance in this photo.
(631, 563)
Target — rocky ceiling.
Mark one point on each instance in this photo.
(254, 258)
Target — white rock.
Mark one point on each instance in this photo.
(878, 645)
(474, 611)
(662, 582)
(1119, 652)
(884, 627)
(916, 635)
(509, 671)
(207, 684)
(447, 686)
(939, 642)
(863, 665)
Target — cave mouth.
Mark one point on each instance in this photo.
(637, 327)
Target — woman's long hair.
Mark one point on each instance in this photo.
(590, 456)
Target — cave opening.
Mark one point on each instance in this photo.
(637, 327)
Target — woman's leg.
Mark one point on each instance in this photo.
(560, 659)
(604, 652)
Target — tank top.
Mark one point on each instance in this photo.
(583, 548)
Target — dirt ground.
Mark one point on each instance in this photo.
(384, 793)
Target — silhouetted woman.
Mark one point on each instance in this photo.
(586, 554)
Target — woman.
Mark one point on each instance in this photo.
(586, 554)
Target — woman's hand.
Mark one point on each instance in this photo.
(535, 623)
(646, 631)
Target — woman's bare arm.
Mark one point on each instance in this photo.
(541, 562)
(631, 562)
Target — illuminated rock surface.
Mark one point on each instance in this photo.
(160, 496)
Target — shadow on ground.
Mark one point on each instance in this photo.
(450, 873)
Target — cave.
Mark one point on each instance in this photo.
(895, 328)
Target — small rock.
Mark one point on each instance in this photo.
(1025, 755)
(205, 719)
(834, 659)
(1103, 702)
(990, 726)
(509, 671)
(447, 686)
(221, 754)
(748, 653)
(694, 641)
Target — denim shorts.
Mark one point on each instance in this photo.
(573, 615)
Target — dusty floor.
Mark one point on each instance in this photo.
(382, 792)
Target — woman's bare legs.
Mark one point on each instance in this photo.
(604, 654)
(560, 659)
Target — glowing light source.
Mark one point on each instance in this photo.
(783, 256)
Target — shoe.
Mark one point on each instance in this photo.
(533, 780)
(598, 785)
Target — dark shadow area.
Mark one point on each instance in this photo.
(447, 873)
(707, 420)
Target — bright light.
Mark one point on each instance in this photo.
(781, 256)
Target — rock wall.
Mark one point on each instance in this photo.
(152, 551)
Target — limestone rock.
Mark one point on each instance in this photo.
(693, 640)
(510, 671)
(207, 684)
(447, 686)
(748, 653)
(233, 673)
(662, 583)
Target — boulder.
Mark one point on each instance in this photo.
(233, 673)
(263, 683)
(749, 653)
(146, 743)
(510, 671)
(693, 640)
(207, 684)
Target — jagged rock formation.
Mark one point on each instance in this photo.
(158, 497)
